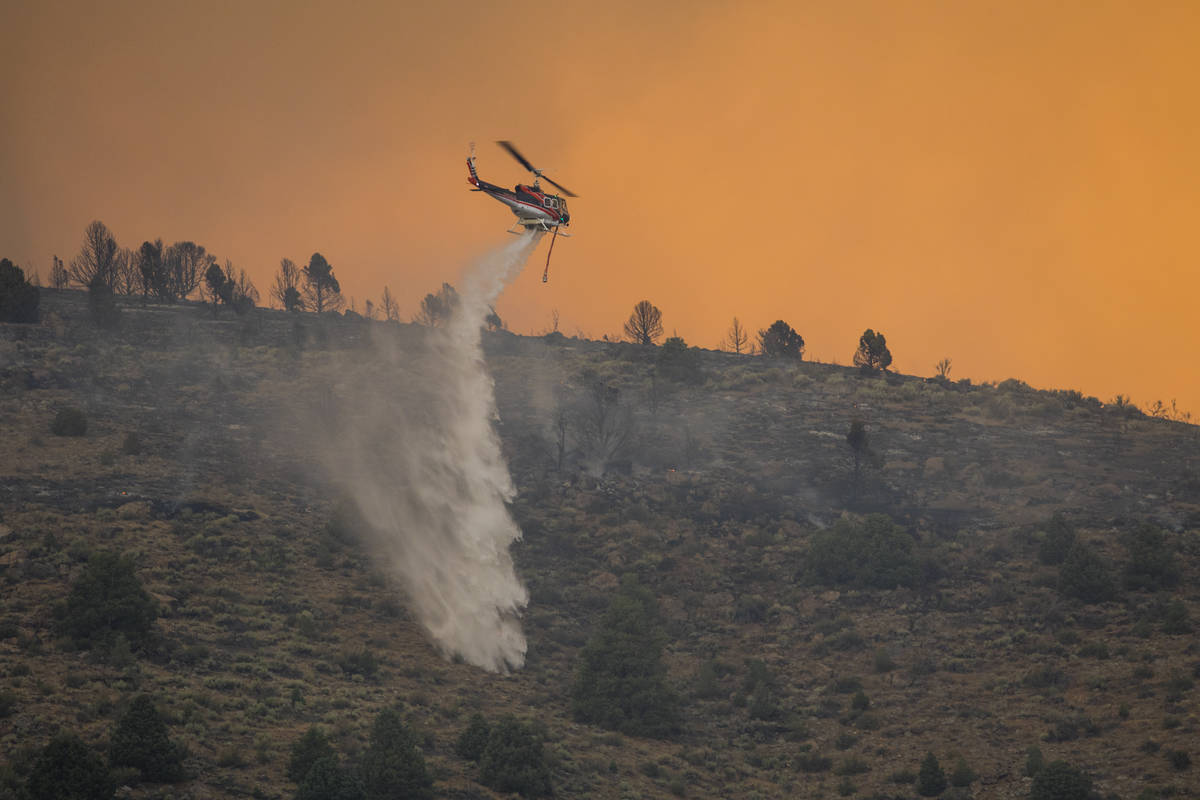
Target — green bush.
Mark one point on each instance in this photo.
(308, 750)
(107, 599)
(393, 764)
(962, 775)
(474, 739)
(874, 553)
(18, 297)
(1056, 541)
(140, 740)
(326, 779)
(1085, 576)
(621, 683)
(66, 769)
(1152, 563)
(69, 421)
(514, 760)
(931, 779)
(131, 445)
(1058, 780)
(678, 362)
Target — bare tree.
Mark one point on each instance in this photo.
(186, 264)
(644, 325)
(322, 292)
(391, 311)
(286, 289)
(554, 319)
(605, 424)
(128, 277)
(737, 340)
(943, 368)
(59, 277)
(97, 259)
(369, 310)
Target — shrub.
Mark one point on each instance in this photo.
(1058, 780)
(813, 762)
(873, 553)
(1152, 564)
(69, 421)
(514, 760)
(678, 362)
(308, 750)
(131, 445)
(393, 765)
(1035, 762)
(140, 740)
(1175, 619)
(1085, 576)
(931, 779)
(108, 600)
(102, 304)
(67, 769)
(8, 702)
(326, 779)
(1178, 759)
(962, 775)
(18, 297)
(474, 739)
(621, 683)
(1056, 541)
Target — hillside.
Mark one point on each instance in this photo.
(722, 480)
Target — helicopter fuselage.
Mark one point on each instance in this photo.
(532, 206)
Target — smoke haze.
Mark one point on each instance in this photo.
(418, 454)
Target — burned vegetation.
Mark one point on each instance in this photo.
(748, 575)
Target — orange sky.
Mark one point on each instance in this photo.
(1012, 185)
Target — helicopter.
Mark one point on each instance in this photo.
(533, 207)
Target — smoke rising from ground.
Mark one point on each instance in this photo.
(418, 453)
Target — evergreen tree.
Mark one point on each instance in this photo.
(322, 292)
(140, 740)
(872, 352)
(1086, 576)
(514, 761)
(621, 683)
(931, 779)
(474, 739)
(108, 599)
(309, 749)
(326, 779)
(18, 297)
(1152, 563)
(393, 765)
(781, 341)
(67, 770)
(1058, 780)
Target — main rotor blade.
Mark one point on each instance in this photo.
(512, 151)
(564, 189)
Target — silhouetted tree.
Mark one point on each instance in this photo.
(108, 599)
(943, 369)
(737, 339)
(60, 278)
(67, 769)
(140, 740)
(393, 765)
(514, 760)
(286, 289)
(18, 297)
(391, 311)
(780, 341)
(128, 277)
(151, 270)
(644, 325)
(217, 288)
(492, 321)
(98, 258)
(186, 264)
(322, 292)
(678, 362)
(621, 682)
(437, 308)
(872, 352)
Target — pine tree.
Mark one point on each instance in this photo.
(931, 780)
(393, 765)
(67, 769)
(308, 750)
(514, 761)
(140, 740)
(621, 683)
